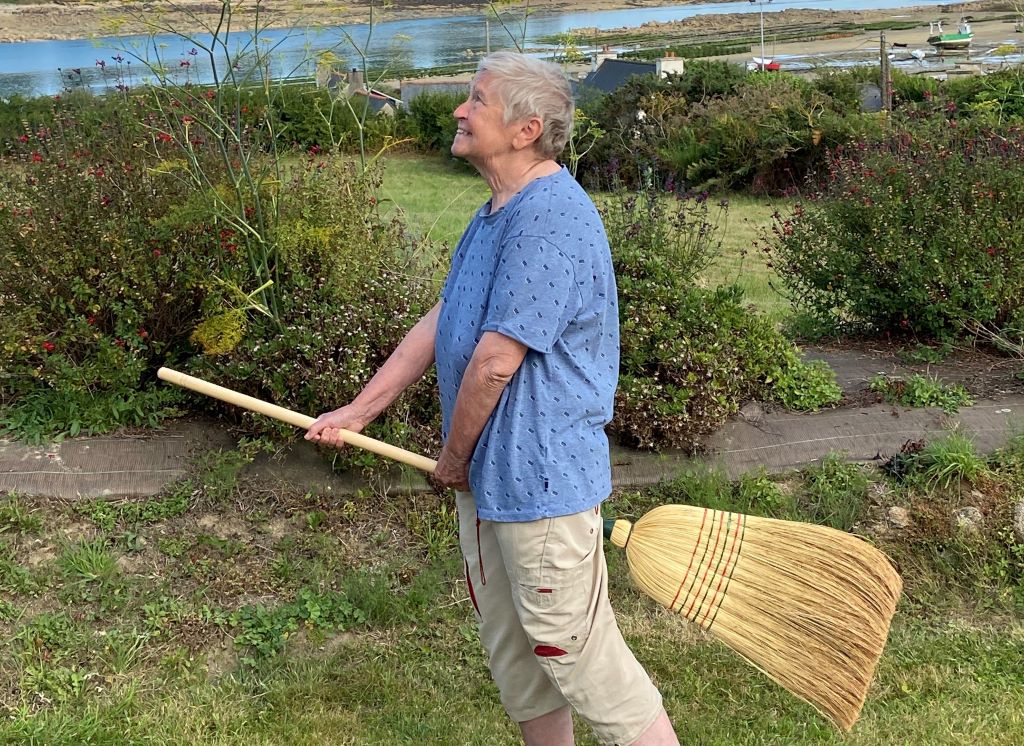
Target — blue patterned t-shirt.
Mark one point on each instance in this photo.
(539, 271)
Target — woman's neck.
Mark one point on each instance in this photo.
(507, 182)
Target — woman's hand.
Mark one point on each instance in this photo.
(452, 471)
(328, 426)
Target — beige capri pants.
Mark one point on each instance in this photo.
(540, 593)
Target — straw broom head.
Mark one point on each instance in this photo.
(809, 606)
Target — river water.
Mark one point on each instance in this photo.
(48, 67)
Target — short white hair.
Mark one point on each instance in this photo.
(530, 87)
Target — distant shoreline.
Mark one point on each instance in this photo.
(65, 22)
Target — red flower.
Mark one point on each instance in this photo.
(210, 94)
(143, 334)
(37, 157)
(23, 138)
(49, 346)
(119, 342)
(105, 200)
(91, 321)
(164, 137)
(156, 253)
(991, 251)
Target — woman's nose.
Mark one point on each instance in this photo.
(460, 108)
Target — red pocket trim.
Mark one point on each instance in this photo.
(548, 651)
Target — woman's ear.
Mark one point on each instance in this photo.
(529, 132)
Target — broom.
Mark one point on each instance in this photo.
(808, 605)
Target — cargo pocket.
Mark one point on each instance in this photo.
(554, 611)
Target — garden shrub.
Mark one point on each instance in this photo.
(765, 132)
(914, 235)
(318, 117)
(135, 242)
(433, 125)
(689, 356)
(355, 285)
(97, 290)
(762, 136)
(997, 98)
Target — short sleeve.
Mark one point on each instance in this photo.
(534, 295)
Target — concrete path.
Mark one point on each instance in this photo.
(133, 466)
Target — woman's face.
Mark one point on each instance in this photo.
(482, 133)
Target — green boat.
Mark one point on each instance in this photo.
(943, 40)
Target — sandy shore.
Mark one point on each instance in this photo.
(70, 20)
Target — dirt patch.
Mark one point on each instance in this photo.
(985, 374)
(223, 526)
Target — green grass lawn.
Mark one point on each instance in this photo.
(437, 198)
(233, 612)
(947, 685)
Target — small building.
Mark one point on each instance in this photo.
(608, 72)
(351, 84)
(413, 88)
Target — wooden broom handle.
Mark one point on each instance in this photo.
(294, 418)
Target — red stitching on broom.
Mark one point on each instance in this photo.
(718, 538)
(728, 570)
(725, 590)
(696, 544)
(707, 547)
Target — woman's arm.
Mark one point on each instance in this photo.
(495, 360)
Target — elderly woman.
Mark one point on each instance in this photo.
(525, 339)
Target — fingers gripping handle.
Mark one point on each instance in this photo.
(293, 418)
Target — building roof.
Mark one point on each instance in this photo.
(612, 73)
(377, 99)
